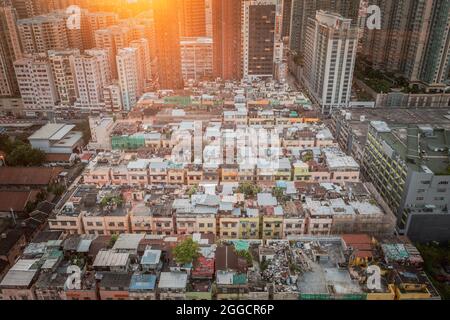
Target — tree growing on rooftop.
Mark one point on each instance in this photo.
(113, 240)
(247, 255)
(249, 189)
(192, 190)
(307, 156)
(110, 200)
(186, 252)
(278, 193)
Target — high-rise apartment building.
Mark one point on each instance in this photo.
(127, 68)
(167, 39)
(208, 18)
(102, 20)
(408, 165)
(63, 75)
(37, 86)
(95, 21)
(192, 18)
(413, 42)
(42, 33)
(197, 58)
(330, 53)
(144, 63)
(102, 56)
(10, 50)
(302, 10)
(113, 38)
(286, 20)
(27, 8)
(227, 35)
(89, 81)
(258, 38)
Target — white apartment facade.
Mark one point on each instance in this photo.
(89, 84)
(144, 63)
(102, 57)
(330, 53)
(127, 69)
(36, 84)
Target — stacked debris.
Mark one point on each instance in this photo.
(277, 270)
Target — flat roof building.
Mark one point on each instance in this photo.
(57, 138)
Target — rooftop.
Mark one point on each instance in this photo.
(143, 282)
(32, 176)
(52, 131)
(172, 280)
(128, 241)
(151, 256)
(115, 280)
(421, 147)
(110, 258)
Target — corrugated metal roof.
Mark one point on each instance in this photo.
(128, 241)
(109, 258)
(18, 278)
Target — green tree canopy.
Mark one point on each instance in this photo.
(278, 193)
(249, 189)
(247, 255)
(20, 153)
(113, 240)
(186, 252)
(25, 155)
(110, 200)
